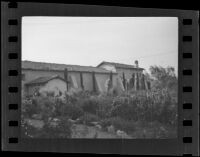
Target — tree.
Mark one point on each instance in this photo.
(164, 78)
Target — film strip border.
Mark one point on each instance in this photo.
(13, 70)
(188, 74)
(186, 88)
(11, 21)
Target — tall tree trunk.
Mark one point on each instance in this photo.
(93, 81)
(81, 79)
(66, 78)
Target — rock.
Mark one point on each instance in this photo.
(72, 121)
(121, 134)
(53, 124)
(94, 123)
(77, 121)
(37, 116)
(55, 119)
(50, 118)
(38, 124)
(98, 126)
(111, 129)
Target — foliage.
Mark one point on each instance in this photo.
(128, 111)
(71, 111)
(149, 106)
(45, 106)
(164, 78)
(28, 108)
(119, 123)
(90, 105)
(105, 104)
(61, 130)
(88, 117)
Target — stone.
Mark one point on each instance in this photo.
(98, 126)
(53, 124)
(37, 116)
(38, 124)
(111, 129)
(121, 134)
(94, 123)
(72, 121)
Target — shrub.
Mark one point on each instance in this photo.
(27, 131)
(119, 124)
(99, 105)
(105, 105)
(71, 111)
(45, 105)
(169, 114)
(88, 117)
(125, 111)
(70, 99)
(28, 107)
(82, 94)
(90, 105)
(62, 130)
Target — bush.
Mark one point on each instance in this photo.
(45, 106)
(70, 99)
(168, 115)
(28, 107)
(38, 105)
(125, 108)
(71, 111)
(83, 95)
(147, 107)
(87, 118)
(98, 105)
(61, 130)
(90, 105)
(119, 124)
(27, 131)
(105, 105)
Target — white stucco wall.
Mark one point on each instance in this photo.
(55, 86)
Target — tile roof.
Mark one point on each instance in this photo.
(60, 67)
(42, 80)
(120, 65)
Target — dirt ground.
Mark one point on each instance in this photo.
(83, 131)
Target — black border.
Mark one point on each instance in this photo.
(105, 146)
(169, 4)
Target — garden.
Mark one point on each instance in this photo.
(133, 114)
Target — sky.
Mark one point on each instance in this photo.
(90, 40)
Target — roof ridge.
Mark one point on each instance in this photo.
(43, 79)
(119, 64)
(60, 64)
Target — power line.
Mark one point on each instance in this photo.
(158, 54)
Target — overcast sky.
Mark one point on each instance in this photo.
(91, 40)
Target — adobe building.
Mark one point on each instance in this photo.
(40, 77)
(46, 85)
(78, 77)
(131, 75)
